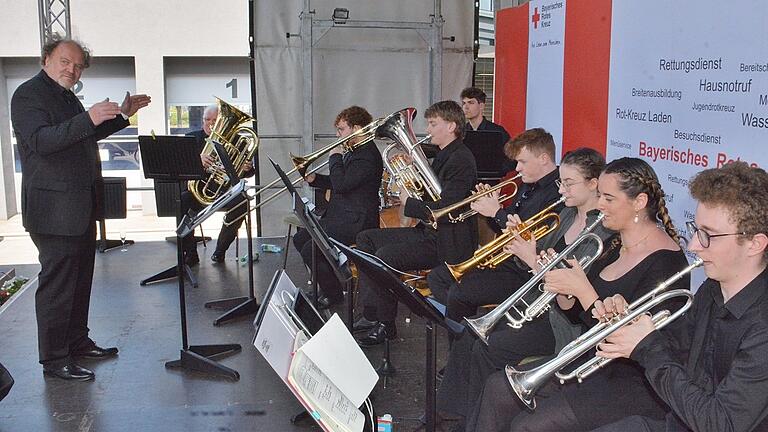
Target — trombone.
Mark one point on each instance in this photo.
(492, 254)
(527, 383)
(438, 213)
(301, 163)
(516, 303)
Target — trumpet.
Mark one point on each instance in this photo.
(438, 213)
(491, 254)
(516, 303)
(526, 383)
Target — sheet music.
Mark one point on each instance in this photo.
(335, 352)
(275, 340)
(328, 404)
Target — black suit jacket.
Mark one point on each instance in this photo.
(61, 184)
(456, 171)
(354, 181)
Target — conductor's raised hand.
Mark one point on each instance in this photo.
(132, 103)
(103, 111)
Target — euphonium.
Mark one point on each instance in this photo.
(438, 213)
(239, 141)
(517, 303)
(412, 173)
(526, 383)
(492, 254)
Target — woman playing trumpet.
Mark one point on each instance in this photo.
(462, 383)
(633, 203)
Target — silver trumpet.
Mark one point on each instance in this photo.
(516, 303)
(527, 383)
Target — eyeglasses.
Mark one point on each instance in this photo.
(567, 185)
(705, 237)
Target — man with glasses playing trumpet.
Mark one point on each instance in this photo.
(719, 380)
(353, 179)
(633, 203)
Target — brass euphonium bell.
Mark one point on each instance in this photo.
(240, 142)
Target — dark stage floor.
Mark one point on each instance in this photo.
(135, 392)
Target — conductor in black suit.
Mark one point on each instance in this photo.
(354, 179)
(62, 196)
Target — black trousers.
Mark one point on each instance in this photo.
(477, 288)
(471, 361)
(405, 249)
(63, 294)
(635, 424)
(499, 409)
(227, 234)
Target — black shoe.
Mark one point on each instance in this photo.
(95, 352)
(326, 302)
(363, 324)
(377, 335)
(191, 259)
(70, 372)
(218, 257)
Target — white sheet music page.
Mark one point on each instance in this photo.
(334, 351)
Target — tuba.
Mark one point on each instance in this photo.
(526, 383)
(516, 304)
(492, 254)
(239, 141)
(404, 158)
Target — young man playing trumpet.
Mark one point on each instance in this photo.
(534, 151)
(422, 247)
(710, 366)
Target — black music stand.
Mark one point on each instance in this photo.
(177, 158)
(321, 242)
(418, 304)
(243, 305)
(115, 207)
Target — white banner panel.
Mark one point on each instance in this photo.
(688, 89)
(546, 37)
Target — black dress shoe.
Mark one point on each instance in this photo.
(95, 352)
(363, 324)
(377, 335)
(70, 372)
(326, 302)
(218, 257)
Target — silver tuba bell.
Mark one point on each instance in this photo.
(404, 158)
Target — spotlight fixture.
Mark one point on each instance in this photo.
(340, 15)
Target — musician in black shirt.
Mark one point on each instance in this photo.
(473, 105)
(710, 366)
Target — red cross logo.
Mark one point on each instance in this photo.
(536, 18)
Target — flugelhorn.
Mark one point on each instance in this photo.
(438, 213)
(517, 304)
(527, 383)
(492, 254)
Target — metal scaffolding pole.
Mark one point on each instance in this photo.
(54, 18)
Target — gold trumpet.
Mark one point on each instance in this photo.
(527, 383)
(492, 254)
(438, 213)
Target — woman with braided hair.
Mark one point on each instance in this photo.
(648, 253)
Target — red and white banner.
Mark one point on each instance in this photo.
(683, 85)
